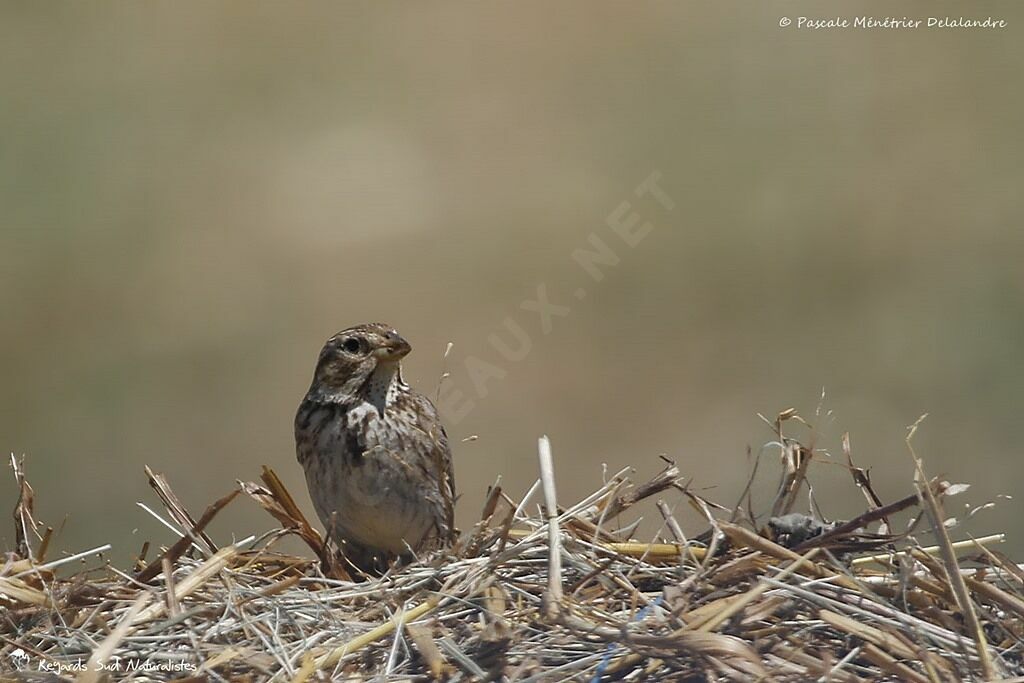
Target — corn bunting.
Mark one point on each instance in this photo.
(376, 457)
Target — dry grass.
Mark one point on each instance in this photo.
(539, 592)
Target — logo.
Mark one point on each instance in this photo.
(19, 658)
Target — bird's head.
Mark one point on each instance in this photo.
(352, 357)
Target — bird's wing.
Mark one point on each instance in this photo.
(441, 455)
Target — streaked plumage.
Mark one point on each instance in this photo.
(376, 457)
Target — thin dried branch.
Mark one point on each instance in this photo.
(24, 522)
(177, 509)
(183, 543)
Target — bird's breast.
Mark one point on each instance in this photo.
(366, 477)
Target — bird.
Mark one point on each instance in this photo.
(375, 454)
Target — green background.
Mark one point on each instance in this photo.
(195, 195)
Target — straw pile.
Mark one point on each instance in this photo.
(538, 591)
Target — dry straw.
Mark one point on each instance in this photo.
(538, 592)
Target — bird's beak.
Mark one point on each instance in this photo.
(394, 348)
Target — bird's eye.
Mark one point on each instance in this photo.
(354, 344)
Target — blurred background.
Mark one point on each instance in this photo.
(195, 197)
